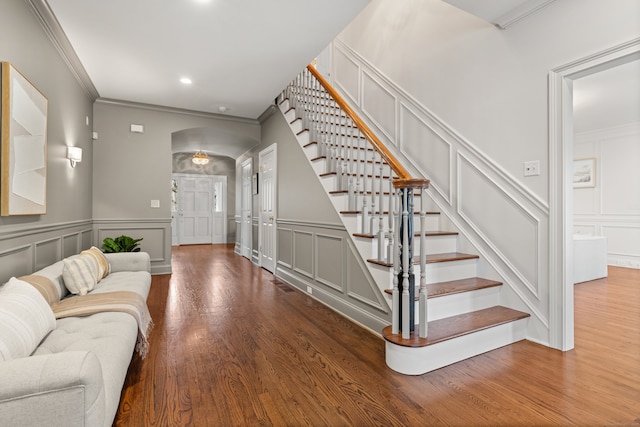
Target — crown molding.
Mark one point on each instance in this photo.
(56, 34)
(165, 109)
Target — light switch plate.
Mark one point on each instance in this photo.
(532, 168)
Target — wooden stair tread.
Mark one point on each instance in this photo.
(456, 326)
(451, 287)
(432, 258)
(431, 233)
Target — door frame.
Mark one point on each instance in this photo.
(177, 177)
(274, 202)
(561, 304)
(246, 234)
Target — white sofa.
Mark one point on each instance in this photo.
(75, 375)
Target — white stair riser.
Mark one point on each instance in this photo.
(436, 272)
(418, 361)
(463, 302)
(433, 244)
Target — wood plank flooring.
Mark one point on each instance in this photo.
(233, 347)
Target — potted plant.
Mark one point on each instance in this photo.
(120, 244)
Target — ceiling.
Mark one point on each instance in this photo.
(607, 99)
(239, 54)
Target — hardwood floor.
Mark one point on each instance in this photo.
(231, 347)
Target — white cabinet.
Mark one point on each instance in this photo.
(589, 258)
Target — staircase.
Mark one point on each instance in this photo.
(457, 314)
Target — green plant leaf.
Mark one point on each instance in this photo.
(120, 244)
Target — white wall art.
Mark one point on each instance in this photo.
(23, 130)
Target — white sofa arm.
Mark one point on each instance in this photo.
(62, 389)
(129, 261)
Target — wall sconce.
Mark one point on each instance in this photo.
(74, 154)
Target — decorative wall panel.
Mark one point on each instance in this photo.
(429, 152)
(303, 256)
(48, 252)
(285, 247)
(495, 215)
(16, 262)
(347, 76)
(330, 260)
(379, 105)
(70, 245)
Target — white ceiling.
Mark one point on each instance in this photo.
(607, 99)
(239, 53)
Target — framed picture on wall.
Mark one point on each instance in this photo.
(584, 173)
(23, 138)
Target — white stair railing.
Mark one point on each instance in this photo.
(360, 162)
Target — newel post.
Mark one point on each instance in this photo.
(403, 294)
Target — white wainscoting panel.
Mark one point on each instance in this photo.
(347, 76)
(379, 104)
(430, 153)
(620, 176)
(492, 212)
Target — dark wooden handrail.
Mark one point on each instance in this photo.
(405, 180)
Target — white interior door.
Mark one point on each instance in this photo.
(219, 211)
(245, 223)
(267, 195)
(195, 211)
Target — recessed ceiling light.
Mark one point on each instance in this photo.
(223, 109)
(185, 80)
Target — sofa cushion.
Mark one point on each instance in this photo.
(111, 336)
(25, 319)
(79, 274)
(101, 262)
(134, 281)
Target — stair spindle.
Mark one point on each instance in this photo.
(406, 301)
(422, 300)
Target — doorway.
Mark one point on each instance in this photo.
(267, 187)
(199, 209)
(561, 303)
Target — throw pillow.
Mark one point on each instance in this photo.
(25, 319)
(44, 285)
(79, 274)
(101, 261)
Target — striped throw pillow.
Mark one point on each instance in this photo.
(79, 274)
(25, 319)
(101, 261)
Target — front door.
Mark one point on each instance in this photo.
(267, 194)
(194, 207)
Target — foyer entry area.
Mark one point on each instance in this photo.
(233, 346)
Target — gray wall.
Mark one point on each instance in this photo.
(30, 242)
(131, 169)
